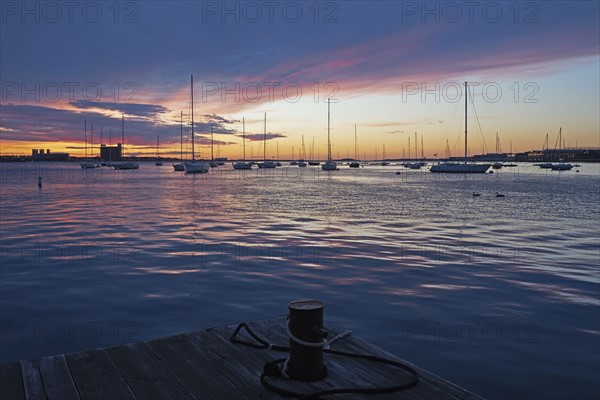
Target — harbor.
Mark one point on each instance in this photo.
(416, 181)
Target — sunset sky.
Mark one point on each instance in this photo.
(533, 66)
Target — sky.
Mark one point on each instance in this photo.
(390, 69)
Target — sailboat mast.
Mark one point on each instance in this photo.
(355, 144)
(328, 128)
(466, 97)
(85, 137)
(110, 144)
(244, 135)
(122, 136)
(181, 136)
(192, 97)
(416, 148)
(265, 139)
(422, 149)
(92, 143)
(212, 143)
(157, 141)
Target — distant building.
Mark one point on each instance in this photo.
(40, 155)
(111, 153)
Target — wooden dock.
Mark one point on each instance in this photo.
(205, 365)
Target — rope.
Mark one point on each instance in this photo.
(271, 368)
(325, 344)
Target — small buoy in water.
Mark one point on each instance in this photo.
(398, 172)
(577, 171)
(39, 181)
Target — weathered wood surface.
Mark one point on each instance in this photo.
(206, 365)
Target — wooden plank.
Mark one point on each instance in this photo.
(32, 380)
(247, 363)
(56, 378)
(145, 376)
(11, 382)
(233, 364)
(430, 384)
(206, 365)
(97, 377)
(192, 371)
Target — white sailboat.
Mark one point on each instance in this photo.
(329, 165)
(195, 166)
(355, 163)
(124, 164)
(312, 161)
(180, 166)
(561, 166)
(383, 160)
(301, 162)
(455, 167)
(265, 163)
(243, 164)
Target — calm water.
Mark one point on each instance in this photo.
(499, 295)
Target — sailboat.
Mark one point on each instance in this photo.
(265, 163)
(302, 163)
(180, 166)
(329, 165)
(124, 164)
(86, 164)
(312, 154)
(243, 164)
(452, 167)
(383, 161)
(497, 164)
(355, 163)
(195, 166)
(561, 166)
(212, 163)
(158, 163)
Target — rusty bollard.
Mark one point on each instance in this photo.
(306, 325)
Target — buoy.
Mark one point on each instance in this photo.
(39, 181)
(397, 172)
(307, 336)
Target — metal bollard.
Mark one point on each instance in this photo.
(306, 324)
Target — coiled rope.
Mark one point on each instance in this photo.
(272, 369)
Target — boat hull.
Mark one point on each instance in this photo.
(267, 164)
(126, 165)
(242, 165)
(87, 165)
(561, 167)
(460, 168)
(329, 166)
(197, 167)
(179, 167)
